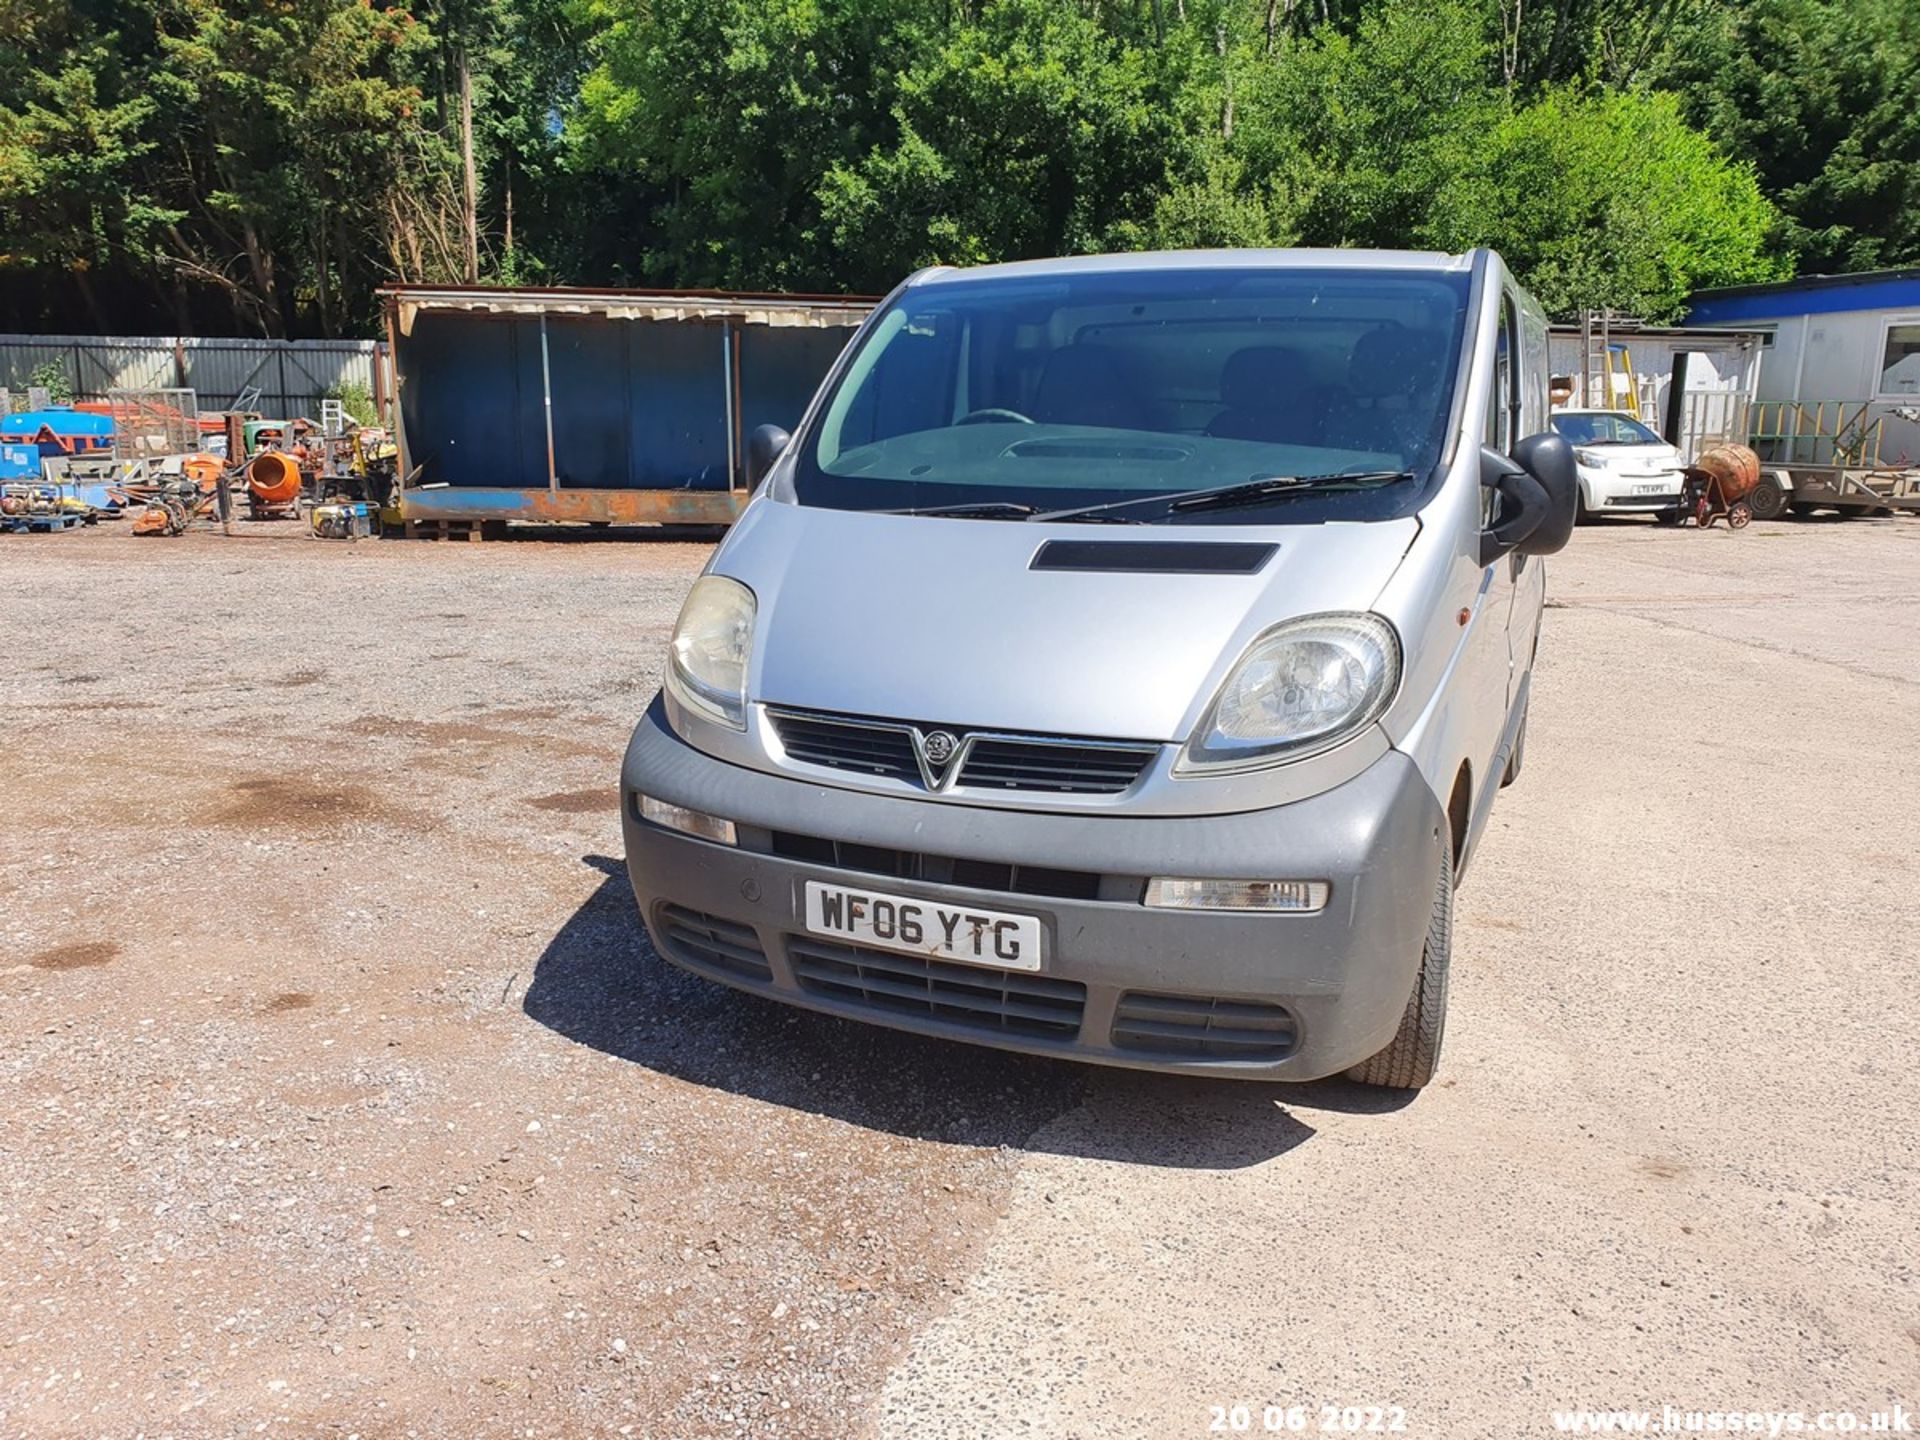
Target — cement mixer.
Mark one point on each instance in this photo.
(1718, 483)
(273, 484)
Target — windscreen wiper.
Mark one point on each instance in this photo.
(1254, 491)
(1005, 510)
(977, 510)
(1245, 492)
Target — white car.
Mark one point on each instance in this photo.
(1624, 467)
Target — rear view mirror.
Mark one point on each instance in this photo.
(763, 448)
(1548, 458)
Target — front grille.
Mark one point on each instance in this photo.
(944, 870)
(1203, 1027)
(845, 744)
(1673, 499)
(1055, 764)
(997, 1001)
(716, 944)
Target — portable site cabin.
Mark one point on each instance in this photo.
(1694, 386)
(1841, 383)
(605, 406)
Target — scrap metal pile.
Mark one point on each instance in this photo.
(155, 457)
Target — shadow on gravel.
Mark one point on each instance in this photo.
(590, 534)
(599, 983)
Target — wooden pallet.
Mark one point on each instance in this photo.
(471, 530)
(45, 524)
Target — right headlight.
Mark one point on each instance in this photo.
(712, 641)
(1302, 687)
(1592, 459)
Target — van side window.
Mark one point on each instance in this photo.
(1504, 399)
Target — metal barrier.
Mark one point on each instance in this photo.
(1818, 432)
(292, 377)
(1713, 417)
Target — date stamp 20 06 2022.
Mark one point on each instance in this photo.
(1255, 1419)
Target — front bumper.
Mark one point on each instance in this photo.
(1616, 494)
(1274, 996)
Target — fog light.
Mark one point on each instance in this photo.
(696, 823)
(1297, 897)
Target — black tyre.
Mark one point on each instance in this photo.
(1768, 498)
(1410, 1061)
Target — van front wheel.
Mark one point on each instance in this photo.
(1409, 1062)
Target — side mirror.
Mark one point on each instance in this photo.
(1540, 497)
(1548, 458)
(1522, 507)
(763, 448)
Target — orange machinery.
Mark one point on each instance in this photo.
(273, 482)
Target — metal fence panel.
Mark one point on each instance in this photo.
(93, 364)
(293, 375)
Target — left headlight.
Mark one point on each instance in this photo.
(712, 640)
(1302, 687)
(1592, 459)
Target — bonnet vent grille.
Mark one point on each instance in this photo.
(1155, 557)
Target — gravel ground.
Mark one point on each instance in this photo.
(347, 1098)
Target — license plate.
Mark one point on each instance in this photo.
(1659, 487)
(923, 927)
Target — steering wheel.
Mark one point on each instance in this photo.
(995, 415)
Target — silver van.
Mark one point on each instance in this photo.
(1119, 662)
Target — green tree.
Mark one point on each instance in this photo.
(730, 114)
(1363, 128)
(265, 165)
(1822, 97)
(305, 154)
(74, 124)
(1241, 175)
(284, 157)
(496, 77)
(1608, 200)
(1221, 209)
(1032, 131)
(1615, 43)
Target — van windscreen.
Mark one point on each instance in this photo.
(1108, 385)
